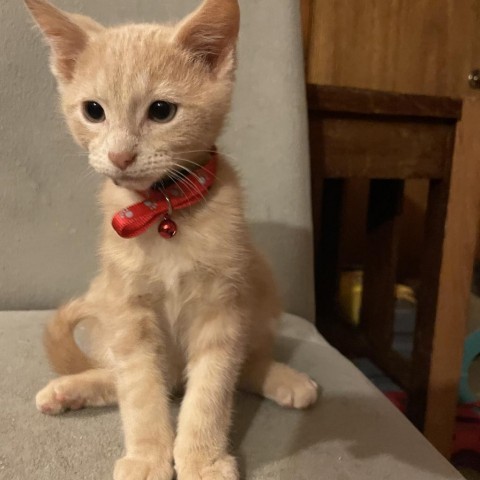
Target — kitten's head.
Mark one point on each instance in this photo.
(143, 99)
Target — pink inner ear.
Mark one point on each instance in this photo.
(66, 47)
(65, 37)
(211, 32)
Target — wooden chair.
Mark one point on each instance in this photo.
(389, 138)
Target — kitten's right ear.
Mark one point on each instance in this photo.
(66, 34)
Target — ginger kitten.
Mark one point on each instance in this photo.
(182, 298)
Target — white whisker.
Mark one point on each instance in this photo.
(181, 159)
(223, 154)
(87, 175)
(186, 178)
(183, 167)
(190, 185)
(173, 179)
(192, 188)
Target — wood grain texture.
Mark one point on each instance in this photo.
(364, 147)
(327, 98)
(375, 143)
(410, 46)
(413, 46)
(419, 47)
(455, 280)
(427, 298)
(307, 20)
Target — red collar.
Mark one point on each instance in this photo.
(159, 204)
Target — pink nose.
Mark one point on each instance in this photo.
(122, 160)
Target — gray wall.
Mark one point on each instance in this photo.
(48, 219)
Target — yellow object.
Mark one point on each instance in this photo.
(350, 294)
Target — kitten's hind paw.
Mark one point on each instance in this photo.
(294, 390)
(57, 398)
(280, 383)
(92, 388)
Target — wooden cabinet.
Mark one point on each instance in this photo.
(407, 46)
(424, 47)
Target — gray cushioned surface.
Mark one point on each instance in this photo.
(353, 432)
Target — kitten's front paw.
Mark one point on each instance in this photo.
(135, 468)
(224, 468)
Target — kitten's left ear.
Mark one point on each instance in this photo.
(67, 35)
(211, 32)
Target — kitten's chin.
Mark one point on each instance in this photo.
(133, 184)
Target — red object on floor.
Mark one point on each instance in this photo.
(467, 428)
(399, 399)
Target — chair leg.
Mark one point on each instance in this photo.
(443, 311)
(427, 301)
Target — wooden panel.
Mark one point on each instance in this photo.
(411, 46)
(358, 147)
(307, 18)
(455, 280)
(364, 101)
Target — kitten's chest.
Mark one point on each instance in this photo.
(168, 273)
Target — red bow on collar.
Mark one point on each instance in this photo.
(160, 203)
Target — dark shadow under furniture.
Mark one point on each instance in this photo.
(389, 138)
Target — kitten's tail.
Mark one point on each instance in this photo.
(64, 354)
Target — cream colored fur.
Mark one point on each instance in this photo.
(196, 312)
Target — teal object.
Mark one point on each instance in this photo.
(471, 351)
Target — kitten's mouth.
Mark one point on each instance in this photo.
(149, 183)
(170, 174)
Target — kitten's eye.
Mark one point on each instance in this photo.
(162, 112)
(93, 112)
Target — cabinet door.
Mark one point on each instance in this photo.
(411, 46)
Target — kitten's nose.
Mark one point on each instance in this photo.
(122, 160)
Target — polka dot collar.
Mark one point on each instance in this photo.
(161, 202)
